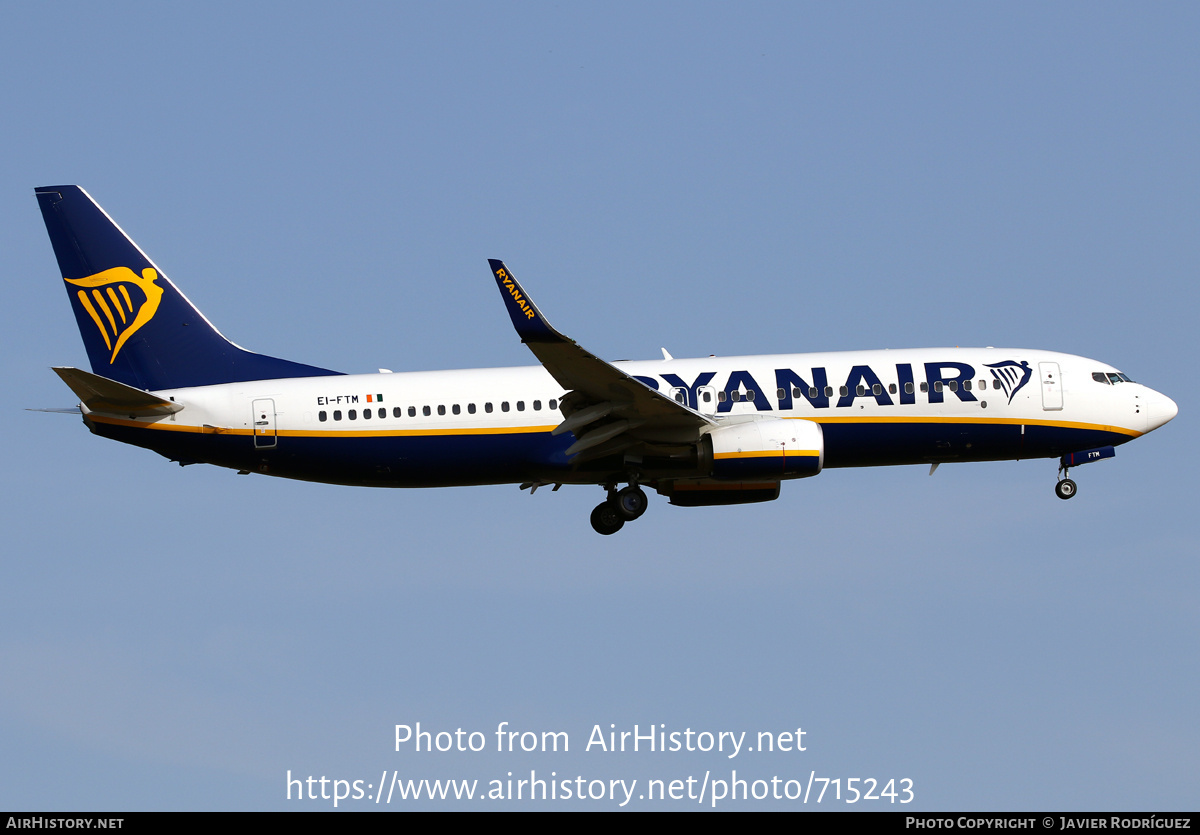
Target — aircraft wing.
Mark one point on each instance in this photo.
(608, 410)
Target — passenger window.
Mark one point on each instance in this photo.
(750, 394)
(983, 385)
(877, 389)
(537, 405)
(860, 390)
(382, 412)
(396, 412)
(953, 384)
(441, 410)
(924, 386)
(735, 396)
(706, 396)
(843, 391)
(412, 411)
(425, 410)
(829, 391)
(337, 414)
(553, 405)
(781, 393)
(366, 414)
(892, 388)
(322, 416)
(908, 388)
(487, 407)
(456, 409)
(504, 406)
(520, 405)
(937, 385)
(470, 408)
(352, 414)
(966, 385)
(721, 396)
(812, 392)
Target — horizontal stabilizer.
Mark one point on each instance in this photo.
(101, 394)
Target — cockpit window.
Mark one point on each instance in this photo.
(1101, 377)
(1118, 377)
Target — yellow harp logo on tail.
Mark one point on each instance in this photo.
(118, 314)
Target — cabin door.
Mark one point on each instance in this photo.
(1052, 395)
(263, 424)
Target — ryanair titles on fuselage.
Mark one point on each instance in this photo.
(940, 378)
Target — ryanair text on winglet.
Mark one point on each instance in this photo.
(511, 286)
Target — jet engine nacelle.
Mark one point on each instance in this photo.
(772, 448)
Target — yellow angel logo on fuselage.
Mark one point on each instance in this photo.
(112, 308)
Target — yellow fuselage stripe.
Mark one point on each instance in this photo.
(1065, 424)
(331, 433)
(165, 425)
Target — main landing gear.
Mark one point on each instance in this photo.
(620, 507)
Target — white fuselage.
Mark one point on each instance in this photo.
(875, 407)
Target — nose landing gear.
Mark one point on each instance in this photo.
(1065, 488)
(620, 507)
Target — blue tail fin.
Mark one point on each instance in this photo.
(137, 327)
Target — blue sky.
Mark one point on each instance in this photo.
(327, 184)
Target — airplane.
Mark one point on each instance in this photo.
(701, 432)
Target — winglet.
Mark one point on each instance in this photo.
(531, 325)
(597, 388)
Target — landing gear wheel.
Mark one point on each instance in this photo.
(606, 519)
(631, 502)
(1065, 489)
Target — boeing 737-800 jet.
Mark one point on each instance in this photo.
(719, 430)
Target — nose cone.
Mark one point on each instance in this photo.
(1159, 410)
